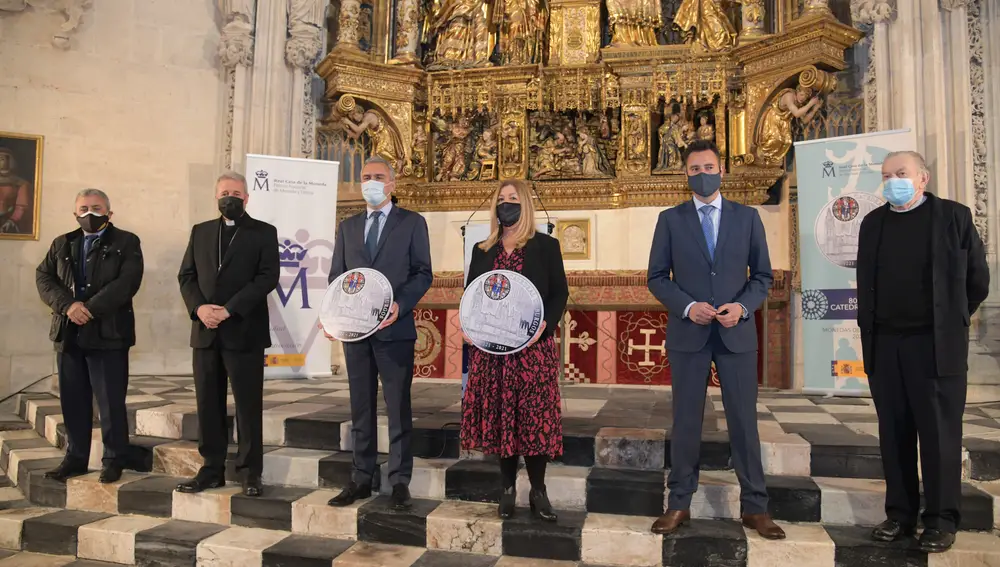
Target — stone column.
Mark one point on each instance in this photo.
(753, 20)
(874, 17)
(236, 56)
(347, 29)
(303, 48)
(813, 7)
(407, 33)
(271, 84)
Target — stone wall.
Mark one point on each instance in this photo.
(133, 107)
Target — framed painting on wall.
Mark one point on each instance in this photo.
(574, 237)
(20, 185)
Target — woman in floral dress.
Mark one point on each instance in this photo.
(511, 405)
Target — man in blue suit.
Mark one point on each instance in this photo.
(698, 270)
(393, 241)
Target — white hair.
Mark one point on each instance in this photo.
(921, 162)
(385, 162)
(93, 192)
(232, 175)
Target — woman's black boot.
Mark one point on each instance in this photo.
(506, 508)
(540, 506)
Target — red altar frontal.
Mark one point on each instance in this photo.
(613, 331)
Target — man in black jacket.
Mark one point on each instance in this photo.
(88, 279)
(228, 270)
(922, 273)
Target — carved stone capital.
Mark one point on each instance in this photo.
(72, 10)
(305, 28)
(236, 38)
(871, 12)
(951, 5)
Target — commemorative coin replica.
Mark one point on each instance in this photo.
(501, 311)
(355, 304)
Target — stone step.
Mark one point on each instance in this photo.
(794, 447)
(458, 534)
(293, 474)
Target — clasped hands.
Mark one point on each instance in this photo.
(79, 314)
(212, 315)
(727, 315)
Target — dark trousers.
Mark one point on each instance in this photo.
(738, 377)
(368, 360)
(913, 401)
(84, 375)
(245, 370)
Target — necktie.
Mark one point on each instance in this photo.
(708, 228)
(371, 242)
(88, 243)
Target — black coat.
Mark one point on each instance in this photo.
(960, 281)
(543, 265)
(114, 274)
(248, 273)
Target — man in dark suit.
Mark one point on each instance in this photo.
(698, 270)
(229, 268)
(922, 273)
(393, 241)
(88, 279)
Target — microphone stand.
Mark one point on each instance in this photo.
(548, 218)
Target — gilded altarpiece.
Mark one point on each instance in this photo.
(582, 98)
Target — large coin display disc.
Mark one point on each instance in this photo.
(355, 304)
(501, 311)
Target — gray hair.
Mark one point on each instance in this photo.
(921, 162)
(385, 162)
(233, 176)
(93, 192)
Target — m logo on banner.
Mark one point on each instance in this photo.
(290, 255)
(828, 170)
(260, 183)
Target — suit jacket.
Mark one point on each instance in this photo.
(960, 281)
(681, 271)
(114, 274)
(248, 273)
(543, 265)
(403, 256)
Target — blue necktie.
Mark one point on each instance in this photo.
(708, 228)
(371, 242)
(86, 245)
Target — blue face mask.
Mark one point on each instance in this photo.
(898, 191)
(373, 192)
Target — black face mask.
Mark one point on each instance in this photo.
(231, 207)
(508, 214)
(705, 184)
(92, 223)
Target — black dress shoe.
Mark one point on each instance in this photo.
(110, 473)
(891, 530)
(252, 485)
(351, 494)
(204, 480)
(507, 500)
(936, 541)
(400, 498)
(67, 469)
(541, 508)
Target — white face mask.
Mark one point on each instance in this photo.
(373, 192)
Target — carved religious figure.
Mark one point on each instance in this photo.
(634, 22)
(713, 30)
(774, 138)
(553, 157)
(706, 131)
(672, 143)
(452, 166)
(512, 142)
(457, 34)
(358, 121)
(521, 26)
(593, 162)
(418, 156)
(486, 155)
(15, 194)
(636, 139)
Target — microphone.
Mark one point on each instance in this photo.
(481, 203)
(548, 217)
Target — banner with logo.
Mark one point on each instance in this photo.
(299, 197)
(839, 182)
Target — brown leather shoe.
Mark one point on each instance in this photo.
(669, 522)
(764, 525)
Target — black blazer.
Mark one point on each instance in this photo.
(249, 272)
(960, 281)
(543, 265)
(403, 256)
(114, 274)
